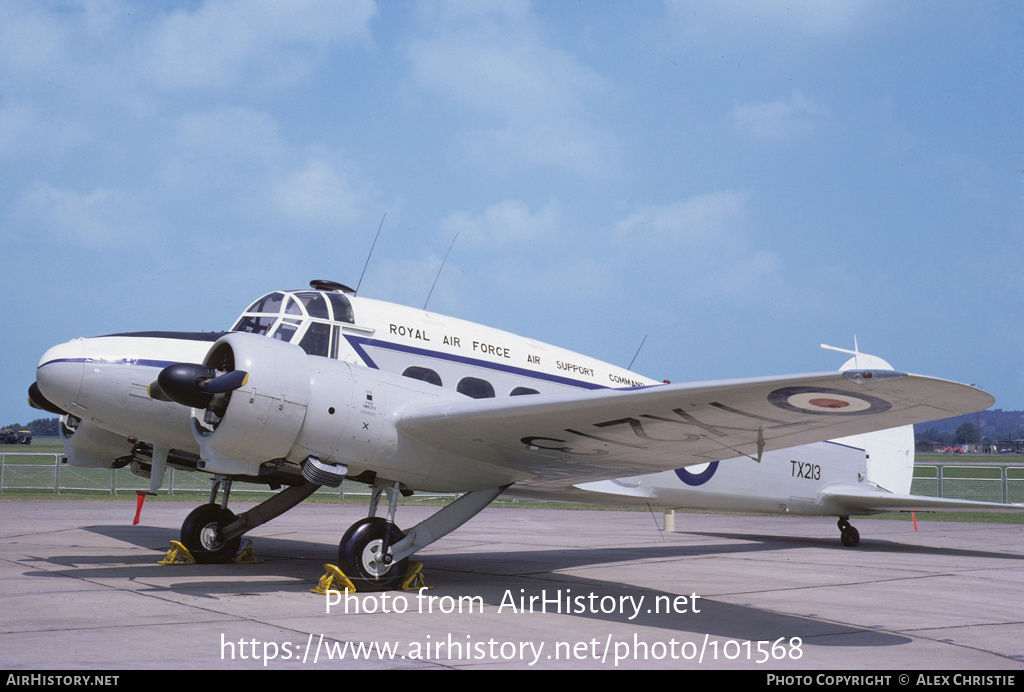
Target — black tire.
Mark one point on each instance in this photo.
(850, 537)
(200, 533)
(356, 549)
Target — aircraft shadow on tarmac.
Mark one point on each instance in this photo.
(495, 576)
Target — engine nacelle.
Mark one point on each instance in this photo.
(260, 420)
(90, 446)
(294, 406)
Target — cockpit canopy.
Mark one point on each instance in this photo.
(310, 319)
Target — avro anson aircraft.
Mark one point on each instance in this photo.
(316, 385)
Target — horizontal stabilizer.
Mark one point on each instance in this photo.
(857, 499)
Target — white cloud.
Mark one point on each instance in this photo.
(703, 245)
(90, 217)
(698, 221)
(319, 195)
(532, 101)
(778, 119)
(803, 17)
(230, 132)
(228, 42)
(508, 223)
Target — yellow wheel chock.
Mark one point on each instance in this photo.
(247, 555)
(414, 578)
(412, 582)
(325, 581)
(178, 555)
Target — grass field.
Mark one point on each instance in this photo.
(41, 450)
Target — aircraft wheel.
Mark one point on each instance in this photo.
(200, 533)
(850, 537)
(357, 552)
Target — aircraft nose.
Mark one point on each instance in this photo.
(59, 373)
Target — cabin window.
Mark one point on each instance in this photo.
(424, 374)
(519, 391)
(475, 388)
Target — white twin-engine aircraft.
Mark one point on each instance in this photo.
(313, 386)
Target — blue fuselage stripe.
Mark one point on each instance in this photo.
(359, 343)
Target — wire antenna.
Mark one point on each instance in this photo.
(439, 270)
(371, 251)
(630, 366)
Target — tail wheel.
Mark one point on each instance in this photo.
(201, 534)
(358, 555)
(848, 536)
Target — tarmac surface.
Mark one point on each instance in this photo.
(81, 589)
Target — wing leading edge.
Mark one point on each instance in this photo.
(558, 440)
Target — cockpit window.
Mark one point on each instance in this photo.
(284, 316)
(268, 303)
(342, 308)
(254, 325)
(315, 304)
(287, 330)
(317, 339)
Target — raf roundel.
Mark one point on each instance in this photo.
(697, 475)
(827, 402)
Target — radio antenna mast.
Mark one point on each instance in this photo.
(439, 270)
(371, 251)
(630, 366)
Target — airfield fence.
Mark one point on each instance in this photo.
(45, 472)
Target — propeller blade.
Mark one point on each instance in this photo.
(155, 392)
(225, 383)
(37, 400)
(181, 384)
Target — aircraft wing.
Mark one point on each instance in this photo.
(556, 440)
(853, 499)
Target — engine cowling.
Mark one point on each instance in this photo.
(260, 420)
(89, 446)
(293, 406)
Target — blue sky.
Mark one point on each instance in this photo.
(736, 181)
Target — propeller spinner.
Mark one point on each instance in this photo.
(194, 385)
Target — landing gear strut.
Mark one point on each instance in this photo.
(848, 536)
(213, 533)
(364, 555)
(374, 552)
(202, 534)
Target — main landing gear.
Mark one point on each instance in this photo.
(374, 553)
(213, 533)
(848, 536)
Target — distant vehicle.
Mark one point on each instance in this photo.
(9, 436)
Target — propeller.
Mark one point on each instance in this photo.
(37, 400)
(194, 385)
